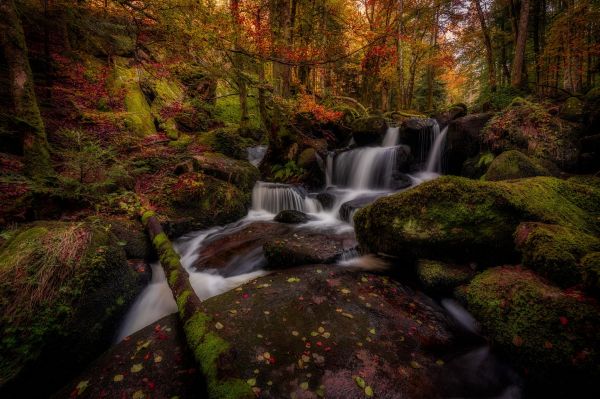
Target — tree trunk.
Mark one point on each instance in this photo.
(35, 144)
(400, 63)
(488, 47)
(238, 64)
(519, 59)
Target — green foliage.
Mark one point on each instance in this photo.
(438, 94)
(286, 172)
(227, 109)
(500, 99)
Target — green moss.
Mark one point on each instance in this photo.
(182, 300)
(227, 108)
(514, 165)
(554, 251)
(440, 276)
(540, 327)
(572, 109)
(147, 215)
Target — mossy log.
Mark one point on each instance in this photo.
(208, 348)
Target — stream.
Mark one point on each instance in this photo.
(354, 178)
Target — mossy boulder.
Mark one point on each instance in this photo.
(551, 335)
(327, 332)
(555, 251)
(514, 164)
(65, 288)
(369, 130)
(475, 167)
(196, 200)
(453, 112)
(167, 97)
(530, 128)
(139, 119)
(437, 276)
(572, 109)
(468, 220)
(132, 237)
(228, 141)
(238, 172)
(305, 248)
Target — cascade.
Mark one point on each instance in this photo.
(434, 159)
(256, 154)
(427, 137)
(391, 137)
(275, 197)
(365, 168)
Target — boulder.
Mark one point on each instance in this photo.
(238, 172)
(347, 210)
(154, 362)
(336, 333)
(475, 167)
(132, 237)
(590, 265)
(554, 251)
(437, 276)
(292, 217)
(416, 133)
(326, 199)
(589, 159)
(572, 110)
(514, 164)
(592, 111)
(530, 128)
(223, 250)
(65, 288)
(304, 248)
(228, 141)
(369, 130)
(465, 220)
(464, 140)
(549, 334)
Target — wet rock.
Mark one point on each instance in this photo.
(476, 166)
(549, 334)
(132, 237)
(153, 362)
(67, 310)
(514, 165)
(313, 331)
(348, 208)
(239, 172)
(555, 251)
(304, 248)
(468, 220)
(464, 140)
(572, 110)
(221, 251)
(326, 199)
(369, 130)
(443, 277)
(453, 112)
(292, 217)
(416, 133)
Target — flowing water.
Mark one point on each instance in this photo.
(354, 178)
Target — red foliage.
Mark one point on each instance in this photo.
(307, 104)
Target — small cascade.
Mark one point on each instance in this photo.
(256, 154)
(427, 137)
(328, 169)
(274, 197)
(365, 168)
(434, 159)
(391, 137)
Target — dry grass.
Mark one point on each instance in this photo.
(37, 265)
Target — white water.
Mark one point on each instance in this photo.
(434, 160)
(365, 168)
(391, 137)
(256, 154)
(275, 197)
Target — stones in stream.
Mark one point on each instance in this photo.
(291, 216)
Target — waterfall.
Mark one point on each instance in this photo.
(434, 159)
(364, 168)
(427, 137)
(328, 169)
(274, 197)
(391, 137)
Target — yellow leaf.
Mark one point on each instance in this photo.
(372, 331)
(118, 378)
(136, 368)
(368, 391)
(251, 381)
(82, 386)
(157, 358)
(138, 395)
(218, 325)
(359, 381)
(304, 385)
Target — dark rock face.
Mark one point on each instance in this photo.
(222, 250)
(369, 130)
(326, 199)
(454, 112)
(550, 334)
(303, 248)
(68, 310)
(464, 140)
(348, 208)
(292, 217)
(589, 159)
(154, 362)
(333, 333)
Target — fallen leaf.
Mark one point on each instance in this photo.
(414, 364)
(138, 395)
(157, 358)
(293, 280)
(82, 386)
(368, 391)
(304, 385)
(136, 368)
(118, 378)
(295, 333)
(218, 325)
(372, 331)
(359, 381)
(251, 381)
(517, 341)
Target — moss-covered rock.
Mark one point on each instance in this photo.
(239, 172)
(550, 335)
(464, 140)
(139, 119)
(65, 287)
(554, 251)
(514, 165)
(167, 98)
(439, 276)
(475, 167)
(572, 109)
(467, 220)
(131, 236)
(530, 128)
(369, 130)
(228, 141)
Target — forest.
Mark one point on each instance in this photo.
(301, 199)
